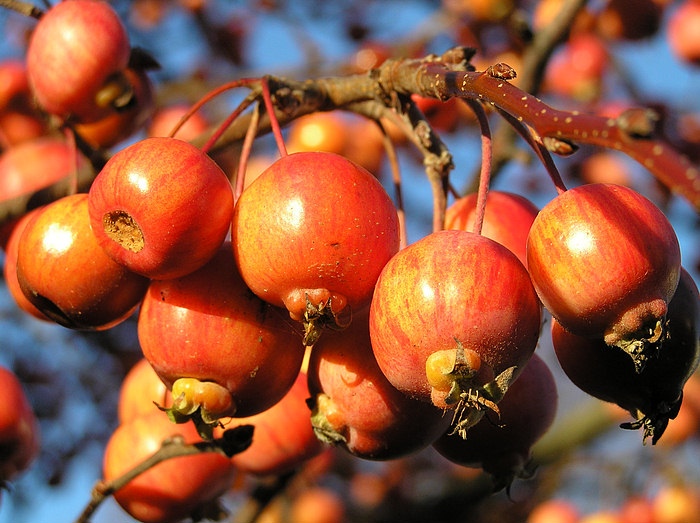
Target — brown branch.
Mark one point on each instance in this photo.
(443, 77)
(448, 76)
(534, 61)
(666, 164)
(23, 8)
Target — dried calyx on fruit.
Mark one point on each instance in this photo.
(454, 319)
(653, 396)
(605, 261)
(356, 408)
(502, 445)
(311, 234)
(221, 349)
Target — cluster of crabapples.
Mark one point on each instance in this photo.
(397, 336)
(408, 346)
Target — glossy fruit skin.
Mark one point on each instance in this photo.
(120, 125)
(19, 431)
(63, 271)
(502, 444)
(314, 223)
(507, 219)
(208, 325)
(10, 268)
(173, 489)
(179, 199)
(283, 439)
(141, 392)
(74, 49)
(608, 373)
(452, 286)
(604, 260)
(34, 165)
(355, 406)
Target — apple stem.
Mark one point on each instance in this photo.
(210, 95)
(540, 150)
(486, 155)
(227, 122)
(396, 178)
(274, 123)
(245, 153)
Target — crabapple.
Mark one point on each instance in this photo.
(502, 447)
(605, 261)
(161, 207)
(453, 320)
(64, 272)
(356, 408)
(19, 431)
(219, 348)
(654, 395)
(311, 234)
(164, 493)
(76, 57)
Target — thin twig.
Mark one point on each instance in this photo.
(276, 131)
(23, 8)
(228, 121)
(539, 149)
(485, 176)
(245, 153)
(396, 178)
(534, 61)
(209, 96)
(235, 440)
